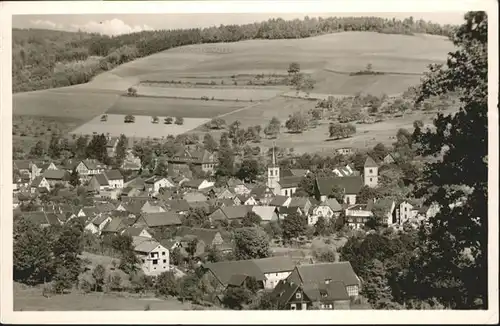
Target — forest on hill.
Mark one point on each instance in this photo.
(43, 59)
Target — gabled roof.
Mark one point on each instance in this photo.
(113, 175)
(156, 178)
(275, 264)
(93, 164)
(90, 211)
(333, 204)
(299, 202)
(260, 191)
(162, 219)
(284, 291)
(351, 184)
(205, 235)
(225, 201)
(290, 182)
(55, 175)
(336, 272)
(224, 270)
(279, 200)
(104, 207)
(230, 212)
(289, 210)
(98, 220)
(266, 213)
(115, 225)
(22, 164)
(101, 179)
(370, 163)
(194, 197)
(237, 279)
(144, 244)
(195, 183)
(334, 291)
(36, 182)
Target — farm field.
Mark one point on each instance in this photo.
(142, 128)
(218, 94)
(173, 107)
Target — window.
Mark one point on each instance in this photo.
(298, 295)
(286, 192)
(155, 261)
(371, 179)
(152, 254)
(143, 261)
(163, 253)
(293, 306)
(164, 261)
(371, 171)
(327, 281)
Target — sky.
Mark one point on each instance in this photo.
(116, 24)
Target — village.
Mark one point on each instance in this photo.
(171, 214)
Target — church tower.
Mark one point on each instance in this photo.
(370, 173)
(273, 174)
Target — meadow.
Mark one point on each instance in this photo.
(172, 107)
(141, 128)
(233, 94)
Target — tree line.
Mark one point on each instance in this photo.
(46, 59)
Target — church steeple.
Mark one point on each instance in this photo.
(273, 173)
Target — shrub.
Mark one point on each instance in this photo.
(179, 121)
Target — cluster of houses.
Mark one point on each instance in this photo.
(139, 206)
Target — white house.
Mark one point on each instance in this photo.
(328, 209)
(357, 215)
(39, 182)
(275, 269)
(154, 257)
(154, 183)
(198, 184)
(96, 225)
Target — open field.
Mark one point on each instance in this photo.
(142, 128)
(63, 103)
(218, 94)
(173, 107)
(31, 299)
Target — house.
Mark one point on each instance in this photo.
(389, 159)
(56, 177)
(279, 200)
(98, 183)
(229, 213)
(274, 269)
(87, 168)
(154, 258)
(222, 193)
(131, 162)
(223, 273)
(137, 231)
(263, 194)
(97, 224)
(155, 183)
(388, 206)
(301, 202)
(357, 215)
(325, 273)
(345, 151)
(117, 225)
(284, 173)
(153, 220)
(208, 237)
(197, 184)
(44, 167)
(284, 211)
(40, 182)
(245, 200)
(115, 178)
(350, 186)
(266, 213)
(238, 187)
(23, 166)
(41, 218)
(287, 186)
(298, 296)
(328, 209)
(199, 159)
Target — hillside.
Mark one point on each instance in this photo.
(47, 59)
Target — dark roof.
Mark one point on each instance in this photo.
(275, 264)
(195, 183)
(52, 219)
(290, 182)
(351, 184)
(22, 164)
(36, 182)
(237, 279)
(93, 164)
(205, 235)
(231, 212)
(298, 202)
(278, 200)
(55, 174)
(115, 225)
(177, 205)
(162, 219)
(134, 206)
(333, 204)
(101, 179)
(224, 270)
(90, 211)
(99, 219)
(113, 175)
(284, 291)
(225, 201)
(334, 291)
(105, 207)
(260, 191)
(370, 163)
(336, 272)
(288, 210)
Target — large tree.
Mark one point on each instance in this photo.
(251, 243)
(453, 262)
(294, 225)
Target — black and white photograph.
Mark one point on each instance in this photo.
(166, 158)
